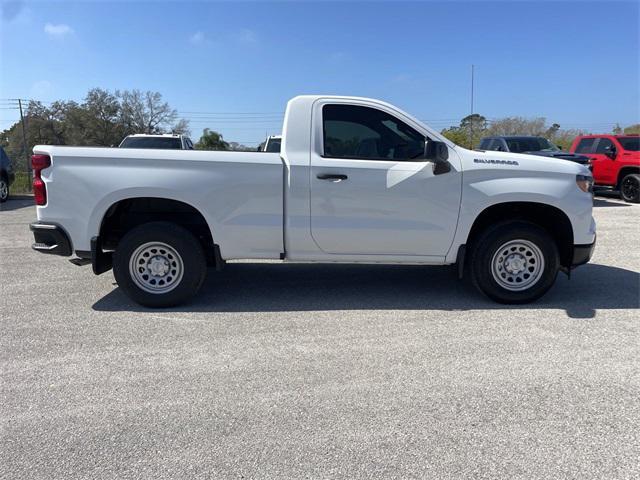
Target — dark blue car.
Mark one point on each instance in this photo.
(6, 175)
(531, 145)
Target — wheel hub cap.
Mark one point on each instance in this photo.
(159, 266)
(156, 267)
(517, 265)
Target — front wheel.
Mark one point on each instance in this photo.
(159, 264)
(514, 262)
(4, 189)
(630, 188)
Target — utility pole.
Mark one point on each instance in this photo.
(24, 140)
(471, 113)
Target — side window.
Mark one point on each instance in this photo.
(496, 145)
(604, 146)
(484, 144)
(585, 145)
(352, 131)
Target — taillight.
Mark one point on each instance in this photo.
(39, 163)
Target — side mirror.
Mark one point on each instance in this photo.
(438, 153)
(611, 154)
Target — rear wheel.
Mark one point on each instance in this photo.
(159, 264)
(630, 188)
(4, 189)
(514, 262)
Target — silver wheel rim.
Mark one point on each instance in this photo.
(156, 267)
(4, 189)
(517, 265)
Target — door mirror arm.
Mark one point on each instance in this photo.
(438, 153)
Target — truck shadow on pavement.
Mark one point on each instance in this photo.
(263, 287)
(603, 202)
(16, 203)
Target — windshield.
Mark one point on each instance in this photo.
(630, 143)
(530, 144)
(171, 143)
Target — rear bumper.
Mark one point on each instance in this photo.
(50, 238)
(582, 254)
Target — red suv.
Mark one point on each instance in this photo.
(615, 162)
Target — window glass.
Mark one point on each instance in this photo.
(361, 132)
(630, 143)
(496, 145)
(604, 146)
(152, 142)
(530, 144)
(273, 145)
(585, 145)
(484, 144)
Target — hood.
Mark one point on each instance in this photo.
(574, 157)
(523, 161)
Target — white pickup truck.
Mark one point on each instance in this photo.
(357, 180)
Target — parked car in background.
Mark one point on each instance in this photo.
(6, 175)
(168, 141)
(357, 180)
(615, 162)
(530, 145)
(272, 144)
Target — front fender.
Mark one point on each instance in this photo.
(558, 190)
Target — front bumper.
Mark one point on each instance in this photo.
(582, 253)
(50, 238)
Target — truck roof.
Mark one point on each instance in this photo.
(514, 136)
(310, 99)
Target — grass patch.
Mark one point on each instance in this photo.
(22, 183)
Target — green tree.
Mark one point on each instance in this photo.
(617, 129)
(147, 113)
(470, 131)
(98, 119)
(211, 140)
(102, 119)
(632, 129)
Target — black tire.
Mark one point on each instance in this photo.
(190, 256)
(490, 245)
(4, 189)
(630, 188)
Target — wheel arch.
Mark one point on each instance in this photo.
(126, 213)
(551, 218)
(624, 171)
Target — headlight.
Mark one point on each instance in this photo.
(585, 183)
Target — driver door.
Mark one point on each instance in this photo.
(604, 158)
(371, 192)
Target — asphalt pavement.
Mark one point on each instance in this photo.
(326, 371)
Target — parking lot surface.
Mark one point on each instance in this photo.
(333, 371)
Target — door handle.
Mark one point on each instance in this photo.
(335, 178)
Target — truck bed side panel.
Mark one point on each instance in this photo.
(239, 194)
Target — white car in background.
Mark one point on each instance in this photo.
(169, 141)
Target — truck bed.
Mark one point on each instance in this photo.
(240, 192)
